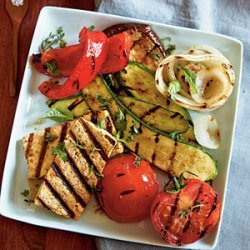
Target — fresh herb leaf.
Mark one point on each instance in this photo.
(59, 114)
(119, 115)
(84, 96)
(100, 124)
(94, 148)
(60, 151)
(92, 27)
(119, 137)
(99, 176)
(133, 131)
(103, 101)
(62, 44)
(49, 137)
(121, 125)
(137, 161)
(78, 144)
(197, 206)
(25, 193)
(164, 39)
(174, 87)
(174, 135)
(190, 77)
(170, 48)
(91, 169)
(52, 67)
(175, 185)
(53, 40)
(156, 56)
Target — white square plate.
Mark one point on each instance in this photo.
(31, 106)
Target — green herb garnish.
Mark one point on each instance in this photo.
(92, 27)
(25, 193)
(100, 124)
(170, 48)
(94, 148)
(156, 56)
(103, 101)
(59, 114)
(53, 40)
(174, 87)
(175, 135)
(137, 161)
(52, 67)
(197, 206)
(60, 151)
(118, 137)
(190, 77)
(91, 169)
(49, 137)
(133, 131)
(119, 115)
(99, 176)
(164, 39)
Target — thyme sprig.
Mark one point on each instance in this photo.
(196, 207)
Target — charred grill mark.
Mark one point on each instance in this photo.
(126, 192)
(149, 112)
(202, 233)
(174, 115)
(108, 124)
(42, 203)
(120, 174)
(84, 153)
(59, 199)
(168, 102)
(42, 154)
(75, 103)
(66, 183)
(77, 84)
(96, 143)
(137, 148)
(214, 205)
(64, 131)
(36, 58)
(78, 173)
(153, 157)
(93, 118)
(93, 62)
(173, 153)
(111, 141)
(140, 128)
(29, 144)
(189, 217)
(157, 138)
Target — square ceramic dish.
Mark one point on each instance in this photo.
(31, 106)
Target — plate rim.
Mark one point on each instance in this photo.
(12, 140)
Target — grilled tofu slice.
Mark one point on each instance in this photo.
(67, 186)
(38, 149)
(146, 46)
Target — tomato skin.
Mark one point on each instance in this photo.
(127, 192)
(167, 208)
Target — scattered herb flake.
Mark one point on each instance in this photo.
(119, 137)
(100, 124)
(52, 67)
(49, 137)
(137, 161)
(91, 169)
(25, 193)
(94, 148)
(165, 39)
(156, 56)
(170, 48)
(60, 151)
(99, 176)
(174, 135)
(92, 27)
(103, 101)
(53, 40)
(196, 207)
(174, 87)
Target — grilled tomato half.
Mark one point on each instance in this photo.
(187, 215)
(128, 189)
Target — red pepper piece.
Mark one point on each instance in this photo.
(118, 53)
(93, 57)
(66, 59)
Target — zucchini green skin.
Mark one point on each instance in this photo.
(169, 155)
(139, 81)
(155, 115)
(76, 105)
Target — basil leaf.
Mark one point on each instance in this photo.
(173, 88)
(190, 78)
(59, 114)
(60, 151)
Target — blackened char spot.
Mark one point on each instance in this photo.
(36, 58)
(126, 192)
(30, 140)
(120, 174)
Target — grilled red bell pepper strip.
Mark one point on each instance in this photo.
(92, 59)
(65, 60)
(118, 56)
